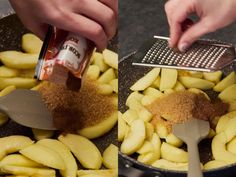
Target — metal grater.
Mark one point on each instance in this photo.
(203, 55)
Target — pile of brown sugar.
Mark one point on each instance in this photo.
(76, 110)
(183, 105)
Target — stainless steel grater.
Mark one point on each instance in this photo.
(203, 55)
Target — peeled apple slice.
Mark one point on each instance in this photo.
(14, 143)
(192, 82)
(135, 137)
(44, 155)
(84, 150)
(146, 80)
(168, 78)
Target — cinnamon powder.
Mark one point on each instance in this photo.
(183, 105)
(76, 110)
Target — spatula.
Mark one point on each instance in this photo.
(192, 132)
(27, 108)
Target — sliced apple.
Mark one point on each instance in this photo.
(14, 143)
(133, 96)
(19, 160)
(19, 60)
(28, 171)
(129, 116)
(214, 164)
(153, 92)
(145, 148)
(178, 86)
(192, 82)
(64, 152)
(84, 150)
(110, 157)
(97, 59)
(197, 91)
(31, 43)
(101, 128)
(168, 78)
(44, 155)
(229, 93)
(146, 80)
(231, 146)
(230, 130)
(213, 76)
(121, 128)
(107, 76)
(219, 149)
(173, 154)
(166, 164)
(110, 58)
(7, 90)
(42, 134)
(114, 84)
(8, 72)
(224, 83)
(93, 72)
(174, 140)
(221, 125)
(18, 82)
(135, 137)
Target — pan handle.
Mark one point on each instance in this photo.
(127, 170)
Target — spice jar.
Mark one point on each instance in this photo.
(64, 58)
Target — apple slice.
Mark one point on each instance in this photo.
(19, 60)
(135, 137)
(31, 43)
(192, 82)
(84, 150)
(168, 78)
(110, 58)
(110, 157)
(19, 160)
(28, 171)
(146, 80)
(44, 155)
(173, 154)
(224, 83)
(14, 143)
(64, 152)
(101, 128)
(229, 93)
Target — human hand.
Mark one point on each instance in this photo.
(213, 14)
(93, 19)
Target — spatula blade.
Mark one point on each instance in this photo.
(192, 129)
(26, 107)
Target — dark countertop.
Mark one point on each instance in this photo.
(140, 20)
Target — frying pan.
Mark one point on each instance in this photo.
(128, 165)
(11, 31)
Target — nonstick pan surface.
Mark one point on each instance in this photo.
(11, 31)
(128, 75)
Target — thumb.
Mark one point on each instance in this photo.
(193, 33)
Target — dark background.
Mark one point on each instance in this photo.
(139, 20)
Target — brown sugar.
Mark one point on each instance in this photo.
(75, 110)
(183, 105)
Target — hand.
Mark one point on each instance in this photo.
(93, 19)
(213, 14)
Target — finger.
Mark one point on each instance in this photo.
(100, 13)
(113, 4)
(82, 25)
(193, 33)
(39, 30)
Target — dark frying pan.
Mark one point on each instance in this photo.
(128, 165)
(11, 30)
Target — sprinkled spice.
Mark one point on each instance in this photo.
(75, 110)
(183, 105)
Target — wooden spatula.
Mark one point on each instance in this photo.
(192, 132)
(27, 108)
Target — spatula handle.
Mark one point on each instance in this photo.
(194, 160)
